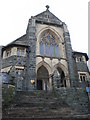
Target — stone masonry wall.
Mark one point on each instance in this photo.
(76, 72)
(81, 66)
(13, 61)
(69, 57)
(75, 97)
(31, 55)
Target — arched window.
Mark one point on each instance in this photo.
(48, 45)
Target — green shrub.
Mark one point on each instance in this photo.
(7, 93)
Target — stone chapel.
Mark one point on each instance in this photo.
(43, 58)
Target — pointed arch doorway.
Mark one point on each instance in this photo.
(42, 78)
(59, 78)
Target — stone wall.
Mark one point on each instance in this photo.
(31, 54)
(69, 55)
(14, 61)
(81, 66)
(75, 97)
(75, 72)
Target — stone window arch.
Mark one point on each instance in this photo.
(49, 45)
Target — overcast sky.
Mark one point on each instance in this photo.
(14, 16)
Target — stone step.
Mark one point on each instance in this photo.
(36, 93)
(33, 99)
(37, 113)
(37, 105)
(48, 118)
(57, 118)
(32, 104)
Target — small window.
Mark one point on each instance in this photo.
(19, 71)
(8, 53)
(20, 51)
(82, 77)
(79, 59)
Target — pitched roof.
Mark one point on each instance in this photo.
(44, 17)
(22, 41)
(80, 53)
(48, 17)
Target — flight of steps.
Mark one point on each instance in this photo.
(38, 105)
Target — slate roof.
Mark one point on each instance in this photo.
(80, 53)
(22, 41)
(48, 17)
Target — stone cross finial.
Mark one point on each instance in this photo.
(47, 6)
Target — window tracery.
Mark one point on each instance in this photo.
(48, 45)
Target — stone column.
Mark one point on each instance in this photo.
(67, 81)
(69, 55)
(1, 57)
(0, 83)
(50, 82)
(31, 55)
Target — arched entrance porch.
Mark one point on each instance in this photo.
(42, 78)
(59, 78)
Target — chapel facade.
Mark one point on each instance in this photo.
(43, 58)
